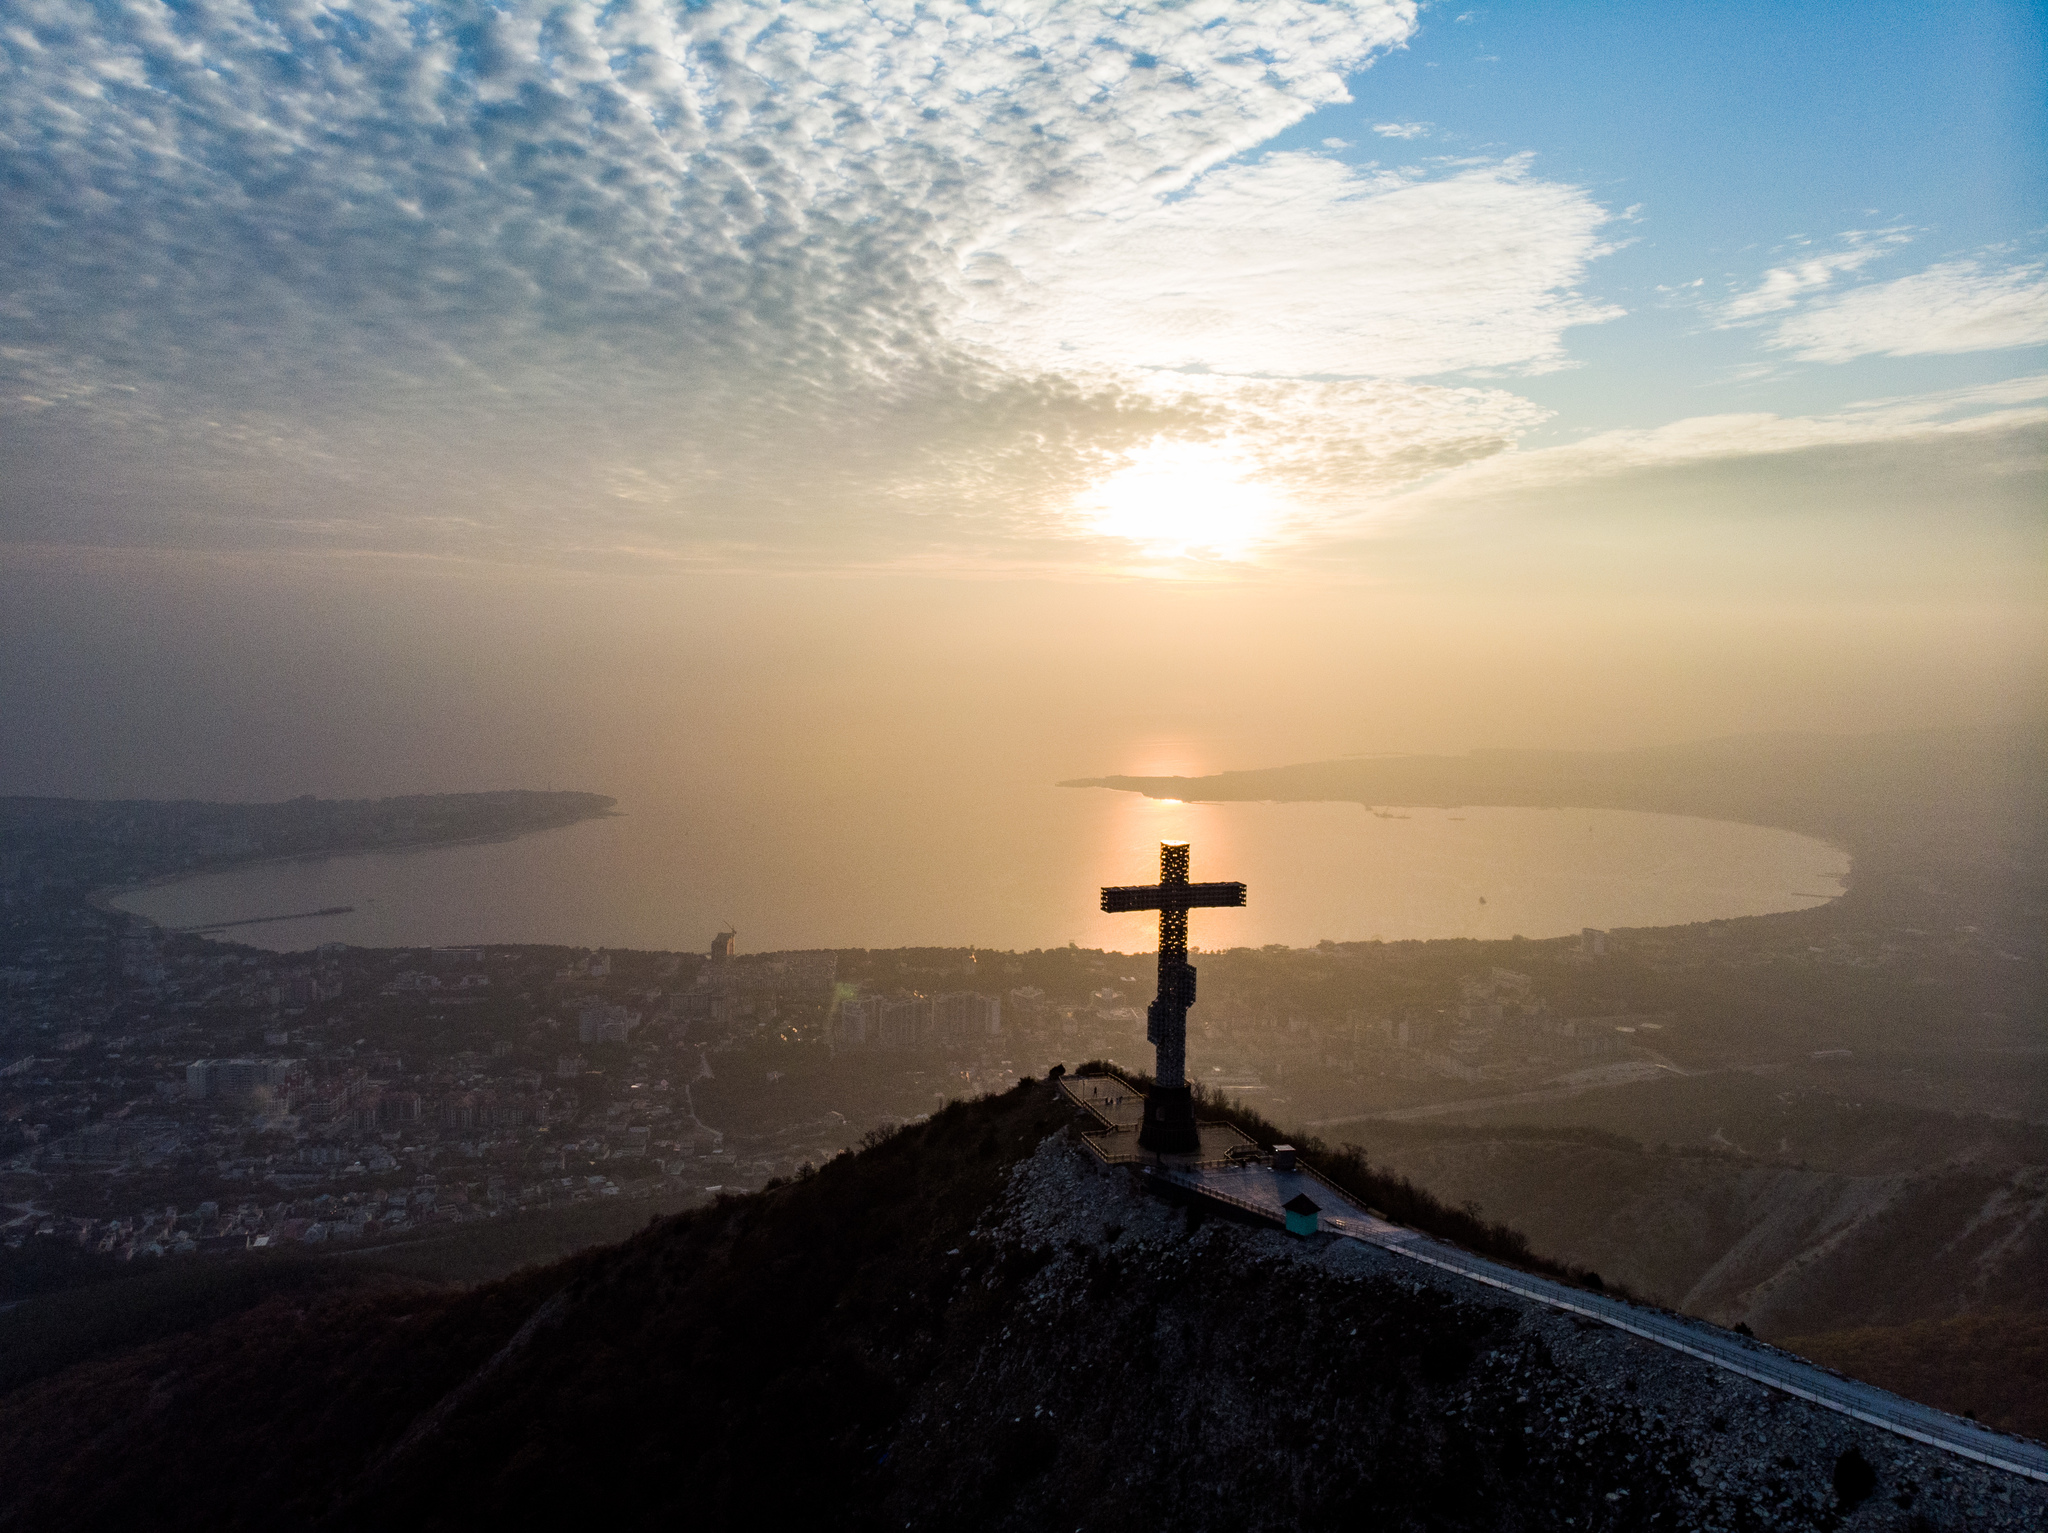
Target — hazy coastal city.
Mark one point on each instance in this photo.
(897, 766)
(177, 1094)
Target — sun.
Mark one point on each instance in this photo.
(1185, 500)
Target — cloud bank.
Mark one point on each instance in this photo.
(824, 281)
(581, 273)
(1301, 266)
(289, 230)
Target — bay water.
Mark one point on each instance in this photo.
(953, 865)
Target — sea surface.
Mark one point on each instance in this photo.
(1019, 869)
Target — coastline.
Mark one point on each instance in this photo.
(102, 899)
(427, 900)
(1833, 841)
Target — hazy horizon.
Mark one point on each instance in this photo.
(694, 403)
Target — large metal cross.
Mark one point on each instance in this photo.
(1170, 1110)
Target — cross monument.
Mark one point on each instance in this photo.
(1170, 1110)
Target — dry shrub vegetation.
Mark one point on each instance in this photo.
(1992, 1365)
(1393, 1197)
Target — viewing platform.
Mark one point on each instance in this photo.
(1119, 1110)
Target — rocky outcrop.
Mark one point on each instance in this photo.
(1159, 1367)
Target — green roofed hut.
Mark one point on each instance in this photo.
(1304, 1214)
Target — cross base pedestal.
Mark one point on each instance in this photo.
(1169, 1127)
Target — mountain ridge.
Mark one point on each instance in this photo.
(973, 1322)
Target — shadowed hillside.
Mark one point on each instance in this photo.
(971, 1324)
(1993, 1365)
(1788, 1250)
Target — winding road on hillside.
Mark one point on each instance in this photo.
(1262, 1190)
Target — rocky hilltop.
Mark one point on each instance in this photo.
(1258, 1380)
(972, 1323)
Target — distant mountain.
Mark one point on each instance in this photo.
(69, 843)
(1829, 785)
(973, 1324)
(1945, 819)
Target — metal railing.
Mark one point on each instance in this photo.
(1622, 1315)
(1338, 1192)
(1615, 1312)
(1094, 1142)
(1170, 1175)
(1148, 1158)
(1142, 1157)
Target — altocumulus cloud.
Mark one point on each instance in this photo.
(736, 281)
(1298, 265)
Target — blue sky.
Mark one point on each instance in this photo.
(1738, 136)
